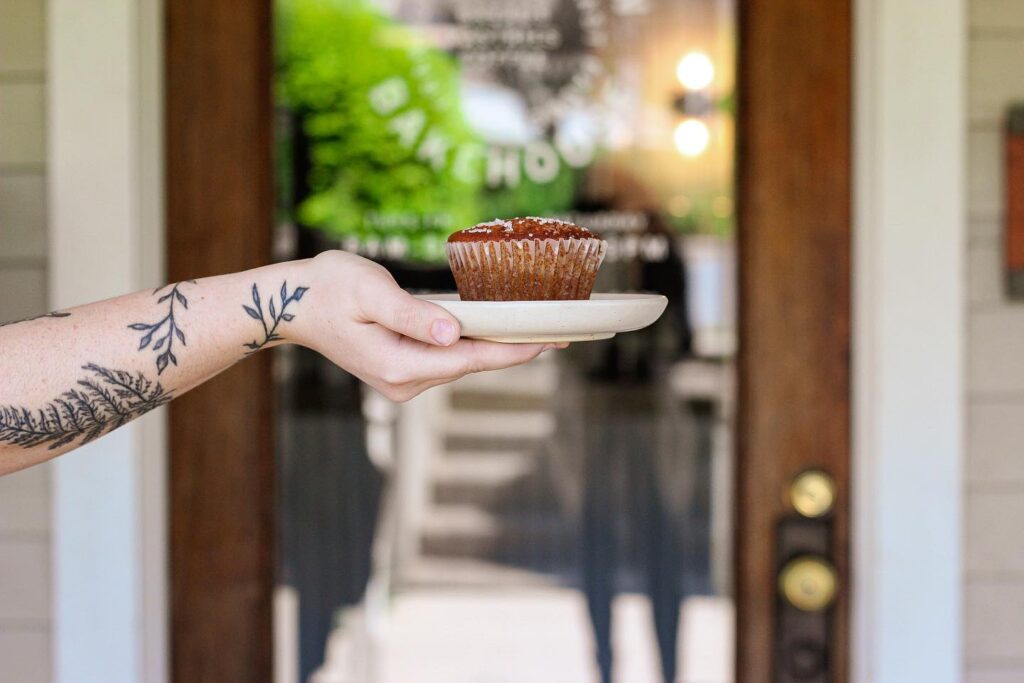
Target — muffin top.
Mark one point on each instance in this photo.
(521, 229)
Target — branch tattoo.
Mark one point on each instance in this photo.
(271, 324)
(163, 332)
(101, 401)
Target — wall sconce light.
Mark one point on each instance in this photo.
(691, 137)
(695, 72)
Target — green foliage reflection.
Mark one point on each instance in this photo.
(390, 151)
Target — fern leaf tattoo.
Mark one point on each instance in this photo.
(100, 402)
(163, 332)
(276, 316)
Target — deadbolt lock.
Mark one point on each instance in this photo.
(808, 583)
(813, 493)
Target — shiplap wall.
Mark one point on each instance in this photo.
(25, 634)
(994, 562)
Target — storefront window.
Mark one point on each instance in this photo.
(569, 519)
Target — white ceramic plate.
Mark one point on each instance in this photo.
(601, 317)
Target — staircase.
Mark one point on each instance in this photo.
(492, 513)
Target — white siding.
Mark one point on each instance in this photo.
(22, 121)
(22, 48)
(25, 576)
(994, 544)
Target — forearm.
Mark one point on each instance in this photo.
(70, 377)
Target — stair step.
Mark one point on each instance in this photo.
(445, 572)
(536, 378)
(515, 425)
(459, 530)
(467, 531)
(485, 400)
(483, 467)
(494, 430)
(465, 520)
(480, 478)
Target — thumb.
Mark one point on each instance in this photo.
(397, 310)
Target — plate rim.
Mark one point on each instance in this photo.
(595, 298)
(648, 307)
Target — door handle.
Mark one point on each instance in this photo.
(813, 493)
(808, 583)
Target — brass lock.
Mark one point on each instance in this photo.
(808, 583)
(813, 494)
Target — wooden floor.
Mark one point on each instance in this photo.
(526, 635)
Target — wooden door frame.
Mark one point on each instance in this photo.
(793, 204)
(220, 207)
(794, 173)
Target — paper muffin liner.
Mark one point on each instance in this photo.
(526, 270)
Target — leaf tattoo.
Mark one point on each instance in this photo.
(55, 314)
(276, 316)
(163, 332)
(100, 402)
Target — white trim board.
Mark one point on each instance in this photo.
(106, 238)
(909, 299)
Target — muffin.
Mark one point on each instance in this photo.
(525, 259)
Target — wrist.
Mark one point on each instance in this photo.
(304, 275)
(276, 305)
(300, 280)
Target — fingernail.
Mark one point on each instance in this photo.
(442, 331)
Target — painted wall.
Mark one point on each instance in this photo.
(994, 543)
(25, 624)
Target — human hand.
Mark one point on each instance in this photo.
(396, 343)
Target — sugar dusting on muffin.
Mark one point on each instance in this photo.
(530, 227)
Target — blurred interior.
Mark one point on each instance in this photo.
(566, 520)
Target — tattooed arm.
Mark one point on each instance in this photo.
(69, 377)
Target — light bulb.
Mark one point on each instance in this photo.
(695, 71)
(691, 137)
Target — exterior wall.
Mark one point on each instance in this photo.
(994, 543)
(25, 623)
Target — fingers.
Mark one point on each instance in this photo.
(478, 356)
(388, 305)
(465, 357)
(400, 367)
(462, 358)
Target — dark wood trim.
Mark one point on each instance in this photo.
(793, 184)
(219, 219)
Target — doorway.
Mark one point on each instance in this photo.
(726, 517)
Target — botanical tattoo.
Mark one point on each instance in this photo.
(101, 402)
(276, 316)
(55, 314)
(166, 329)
